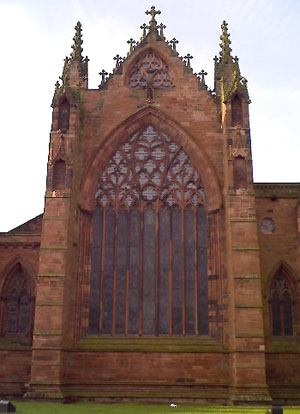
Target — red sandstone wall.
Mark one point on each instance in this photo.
(14, 372)
(15, 365)
(279, 202)
(115, 372)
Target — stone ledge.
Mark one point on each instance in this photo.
(250, 334)
(248, 305)
(245, 249)
(59, 275)
(247, 276)
(246, 220)
(56, 218)
(53, 247)
(152, 344)
(47, 333)
(49, 304)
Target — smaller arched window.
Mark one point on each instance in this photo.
(64, 115)
(17, 305)
(239, 172)
(59, 175)
(236, 111)
(281, 305)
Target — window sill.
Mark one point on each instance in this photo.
(95, 343)
(282, 344)
(15, 343)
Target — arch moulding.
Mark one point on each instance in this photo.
(8, 272)
(162, 122)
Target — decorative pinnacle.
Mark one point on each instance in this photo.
(103, 75)
(173, 43)
(188, 58)
(77, 49)
(65, 74)
(143, 27)
(225, 41)
(118, 60)
(153, 12)
(161, 32)
(57, 86)
(202, 75)
(131, 42)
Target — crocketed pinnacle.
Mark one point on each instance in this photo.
(225, 42)
(77, 49)
(76, 54)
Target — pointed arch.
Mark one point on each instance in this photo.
(239, 172)
(236, 110)
(59, 174)
(150, 242)
(164, 123)
(17, 298)
(64, 114)
(288, 272)
(282, 293)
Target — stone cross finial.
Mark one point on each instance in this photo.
(202, 75)
(131, 42)
(161, 32)
(103, 75)
(188, 58)
(144, 27)
(57, 86)
(173, 43)
(118, 60)
(153, 12)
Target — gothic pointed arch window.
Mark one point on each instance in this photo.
(149, 242)
(59, 175)
(17, 305)
(281, 305)
(239, 172)
(64, 115)
(236, 111)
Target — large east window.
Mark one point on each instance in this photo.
(149, 242)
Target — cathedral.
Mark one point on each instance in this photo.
(158, 270)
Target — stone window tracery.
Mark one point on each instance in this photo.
(152, 71)
(149, 242)
(17, 306)
(281, 306)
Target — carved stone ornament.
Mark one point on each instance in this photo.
(239, 152)
(150, 69)
(267, 226)
(150, 168)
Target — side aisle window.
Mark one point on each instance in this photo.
(17, 306)
(281, 306)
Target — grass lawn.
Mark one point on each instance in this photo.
(135, 408)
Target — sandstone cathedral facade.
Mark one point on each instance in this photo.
(158, 269)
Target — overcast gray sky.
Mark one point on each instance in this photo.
(37, 35)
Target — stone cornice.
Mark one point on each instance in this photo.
(277, 190)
